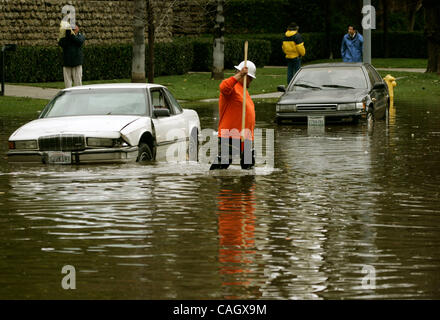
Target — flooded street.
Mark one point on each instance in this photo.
(339, 202)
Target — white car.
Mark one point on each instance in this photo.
(107, 123)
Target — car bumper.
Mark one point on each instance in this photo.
(113, 155)
(331, 115)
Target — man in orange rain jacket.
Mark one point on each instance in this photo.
(230, 122)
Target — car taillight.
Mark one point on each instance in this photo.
(11, 144)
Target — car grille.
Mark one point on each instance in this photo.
(317, 107)
(64, 142)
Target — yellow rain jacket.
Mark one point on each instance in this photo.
(293, 45)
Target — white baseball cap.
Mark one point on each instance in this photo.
(252, 69)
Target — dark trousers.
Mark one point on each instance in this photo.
(228, 148)
(293, 66)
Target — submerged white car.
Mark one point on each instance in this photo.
(107, 123)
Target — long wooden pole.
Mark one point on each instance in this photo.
(243, 115)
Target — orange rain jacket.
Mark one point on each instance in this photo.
(231, 108)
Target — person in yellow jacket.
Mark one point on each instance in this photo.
(293, 47)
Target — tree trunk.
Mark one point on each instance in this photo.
(386, 46)
(151, 36)
(414, 8)
(218, 54)
(432, 33)
(138, 60)
(328, 20)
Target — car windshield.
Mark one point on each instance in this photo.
(97, 102)
(329, 78)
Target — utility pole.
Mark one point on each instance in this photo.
(367, 22)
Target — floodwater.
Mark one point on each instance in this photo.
(348, 212)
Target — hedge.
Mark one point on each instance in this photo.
(44, 64)
(271, 16)
(259, 52)
(401, 45)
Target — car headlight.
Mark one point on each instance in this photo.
(346, 106)
(360, 105)
(23, 144)
(101, 142)
(286, 108)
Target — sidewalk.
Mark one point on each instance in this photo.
(256, 96)
(29, 92)
(402, 70)
(46, 93)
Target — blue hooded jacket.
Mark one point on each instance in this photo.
(351, 48)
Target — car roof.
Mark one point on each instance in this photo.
(336, 64)
(115, 86)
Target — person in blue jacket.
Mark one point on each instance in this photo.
(352, 44)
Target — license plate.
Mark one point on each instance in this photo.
(59, 157)
(315, 121)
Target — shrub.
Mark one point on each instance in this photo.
(259, 52)
(44, 64)
(317, 45)
(272, 16)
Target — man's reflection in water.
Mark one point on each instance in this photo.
(236, 225)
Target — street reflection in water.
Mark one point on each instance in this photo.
(341, 198)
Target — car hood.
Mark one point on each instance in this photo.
(79, 124)
(323, 96)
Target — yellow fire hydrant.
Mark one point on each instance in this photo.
(391, 83)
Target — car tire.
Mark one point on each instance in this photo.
(193, 148)
(144, 153)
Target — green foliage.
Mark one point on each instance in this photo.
(259, 52)
(173, 58)
(272, 16)
(44, 64)
(314, 43)
(401, 44)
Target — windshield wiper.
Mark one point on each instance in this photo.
(303, 85)
(337, 86)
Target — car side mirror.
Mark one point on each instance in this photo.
(161, 112)
(281, 88)
(379, 85)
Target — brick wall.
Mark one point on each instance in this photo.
(36, 22)
(192, 17)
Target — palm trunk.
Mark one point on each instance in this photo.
(412, 15)
(432, 32)
(138, 60)
(328, 18)
(386, 46)
(219, 43)
(151, 36)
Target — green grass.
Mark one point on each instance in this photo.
(387, 63)
(15, 106)
(197, 86)
(191, 87)
(415, 87)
